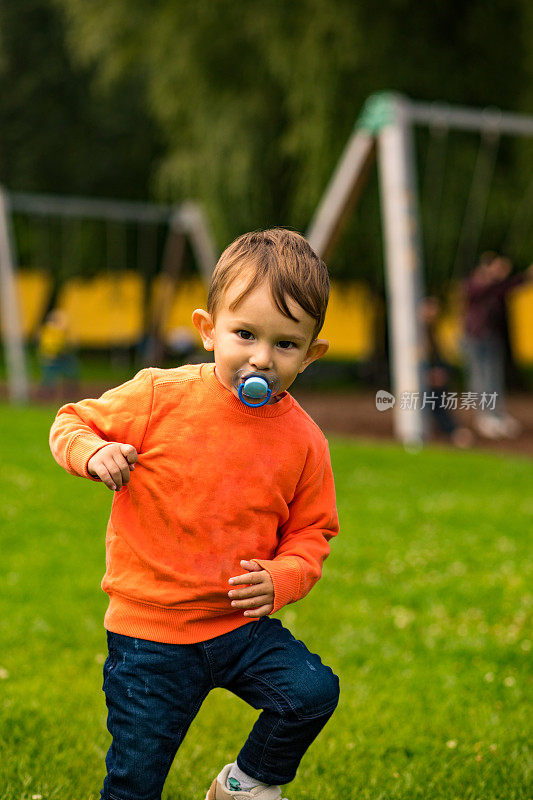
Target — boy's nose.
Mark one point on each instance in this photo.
(261, 358)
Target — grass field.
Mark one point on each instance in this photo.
(423, 611)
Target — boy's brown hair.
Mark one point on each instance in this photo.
(286, 261)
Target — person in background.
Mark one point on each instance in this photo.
(437, 376)
(485, 298)
(56, 355)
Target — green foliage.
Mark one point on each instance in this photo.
(247, 107)
(61, 132)
(424, 611)
(256, 100)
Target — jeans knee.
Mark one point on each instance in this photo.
(331, 689)
(319, 695)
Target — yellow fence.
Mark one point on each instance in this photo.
(34, 289)
(108, 311)
(104, 311)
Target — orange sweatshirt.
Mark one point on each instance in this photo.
(215, 482)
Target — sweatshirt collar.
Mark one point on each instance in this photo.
(284, 404)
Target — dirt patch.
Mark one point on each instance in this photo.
(355, 414)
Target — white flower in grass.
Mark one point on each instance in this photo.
(520, 617)
(4, 674)
(509, 681)
(40, 625)
(396, 566)
(457, 568)
(290, 617)
(489, 677)
(451, 744)
(36, 797)
(525, 646)
(402, 617)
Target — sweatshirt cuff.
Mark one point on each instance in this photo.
(285, 573)
(80, 451)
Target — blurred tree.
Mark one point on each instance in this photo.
(253, 101)
(60, 131)
(256, 100)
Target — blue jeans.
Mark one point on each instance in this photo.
(486, 369)
(154, 691)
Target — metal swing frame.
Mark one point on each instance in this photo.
(185, 221)
(385, 130)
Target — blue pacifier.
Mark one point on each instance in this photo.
(255, 386)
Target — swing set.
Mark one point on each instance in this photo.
(139, 250)
(386, 131)
(151, 239)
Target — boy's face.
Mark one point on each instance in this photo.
(257, 337)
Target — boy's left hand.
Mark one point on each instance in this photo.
(257, 598)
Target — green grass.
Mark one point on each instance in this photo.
(423, 611)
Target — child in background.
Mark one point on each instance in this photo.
(437, 376)
(225, 520)
(56, 354)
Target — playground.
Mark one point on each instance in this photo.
(138, 141)
(424, 609)
(143, 296)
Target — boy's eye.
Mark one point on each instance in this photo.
(286, 345)
(244, 334)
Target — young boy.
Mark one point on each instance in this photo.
(226, 519)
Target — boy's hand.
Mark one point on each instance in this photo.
(258, 598)
(113, 464)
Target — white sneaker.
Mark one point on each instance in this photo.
(489, 426)
(219, 791)
(510, 426)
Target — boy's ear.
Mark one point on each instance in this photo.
(317, 349)
(203, 323)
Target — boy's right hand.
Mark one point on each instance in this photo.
(113, 464)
